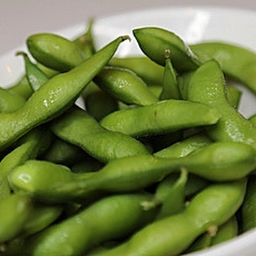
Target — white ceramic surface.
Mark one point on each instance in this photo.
(193, 24)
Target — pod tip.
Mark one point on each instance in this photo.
(126, 37)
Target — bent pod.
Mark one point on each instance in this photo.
(54, 97)
(49, 182)
(172, 235)
(110, 218)
(207, 86)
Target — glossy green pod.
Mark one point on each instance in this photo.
(48, 48)
(91, 226)
(207, 86)
(54, 97)
(79, 128)
(235, 60)
(154, 41)
(125, 85)
(160, 118)
(172, 235)
(222, 161)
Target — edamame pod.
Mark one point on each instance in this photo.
(221, 161)
(82, 130)
(54, 97)
(54, 51)
(161, 117)
(125, 85)
(113, 217)
(154, 41)
(207, 86)
(236, 61)
(172, 235)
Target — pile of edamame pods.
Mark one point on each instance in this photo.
(140, 155)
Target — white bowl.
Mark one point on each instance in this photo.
(192, 24)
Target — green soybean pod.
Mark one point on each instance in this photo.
(156, 89)
(183, 148)
(153, 41)
(235, 60)
(161, 117)
(49, 182)
(54, 97)
(54, 51)
(207, 86)
(79, 128)
(104, 105)
(210, 208)
(91, 226)
(125, 85)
